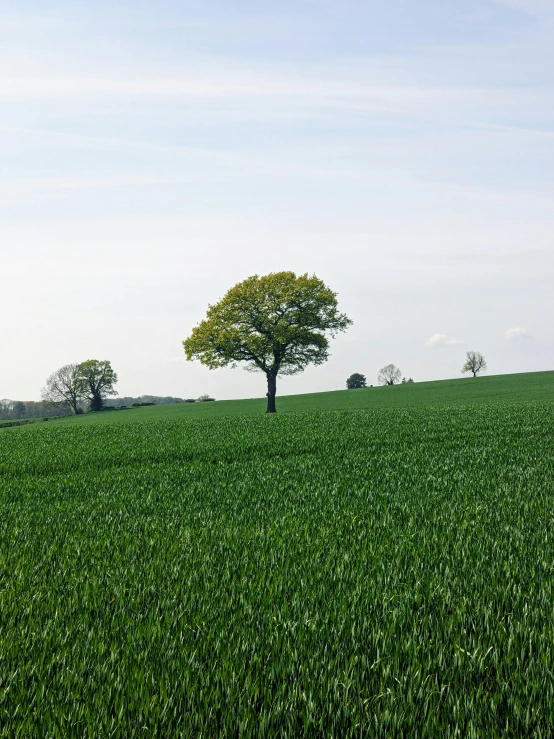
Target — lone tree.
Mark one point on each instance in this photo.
(389, 375)
(475, 362)
(97, 379)
(355, 381)
(276, 324)
(64, 386)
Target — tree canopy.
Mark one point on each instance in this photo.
(276, 324)
(97, 380)
(356, 381)
(475, 363)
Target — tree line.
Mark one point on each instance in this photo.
(22, 409)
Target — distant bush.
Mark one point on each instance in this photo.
(356, 381)
(190, 400)
(204, 399)
(8, 424)
(129, 400)
(20, 422)
(140, 405)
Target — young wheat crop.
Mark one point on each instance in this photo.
(370, 573)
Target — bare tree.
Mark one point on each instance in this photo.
(64, 385)
(389, 375)
(475, 362)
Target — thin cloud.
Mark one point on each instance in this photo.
(337, 91)
(439, 340)
(539, 8)
(514, 334)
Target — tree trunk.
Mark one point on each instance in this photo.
(271, 391)
(474, 373)
(96, 402)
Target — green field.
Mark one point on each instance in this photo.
(496, 389)
(364, 563)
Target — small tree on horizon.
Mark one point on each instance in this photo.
(97, 379)
(389, 375)
(356, 381)
(475, 363)
(276, 324)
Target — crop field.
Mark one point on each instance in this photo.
(379, 572)
(496, 389)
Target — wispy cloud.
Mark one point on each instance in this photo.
(540, 8)
(328, 86)
(440, 340)
(515, 334)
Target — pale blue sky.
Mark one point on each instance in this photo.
(153, 154)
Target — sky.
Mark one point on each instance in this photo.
(153, 154)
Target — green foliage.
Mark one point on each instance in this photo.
(356, 381)
(276, 318)
(371, 573)
(96, 379)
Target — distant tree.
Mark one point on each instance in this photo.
(97, 379)
(356, 381)
(475, 362)
(64, 385)
(276, 324)
(389, 375)
(19, 409)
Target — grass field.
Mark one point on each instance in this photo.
(384, 570)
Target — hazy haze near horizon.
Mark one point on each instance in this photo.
(153, 155)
